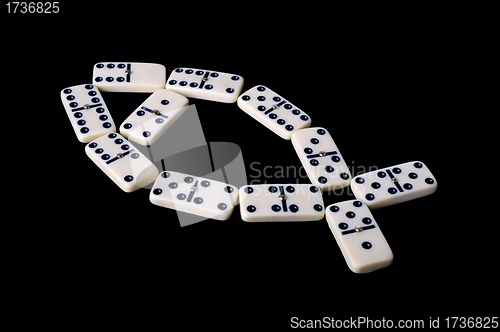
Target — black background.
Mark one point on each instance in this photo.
(381, 85)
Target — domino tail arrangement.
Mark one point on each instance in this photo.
(352, 223)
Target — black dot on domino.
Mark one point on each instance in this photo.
(276, 208)
(357, 204)
(334, 208)
(272, 189)
(366, 245)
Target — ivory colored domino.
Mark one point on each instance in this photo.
(277, 202)
(122, 162)
(87, 112)
(394, 184)
(273, 111)
(321, 158)
(129, 76)
(196, 195)
(205, 84)
(155, 115)
(363, 245)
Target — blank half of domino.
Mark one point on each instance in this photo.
(363, 245)
(392, 185)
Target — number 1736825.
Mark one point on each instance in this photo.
(14, 7)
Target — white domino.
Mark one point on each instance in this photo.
(394, 184)
(195, 195)
(363, 245)
(273, 111)
(87, 112)
(321, 158)
(129, 76)
(277, 202)
(205, 84)
(155, 115)
(122, 162)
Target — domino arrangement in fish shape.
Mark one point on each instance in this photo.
(205, 84)
(155, 115)
(195, 195)
(275, 202)
(87, 112)
(122, 162)
(129, 76)
(273, 111)
(394, 184)
(363, 245)
(321, 158)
